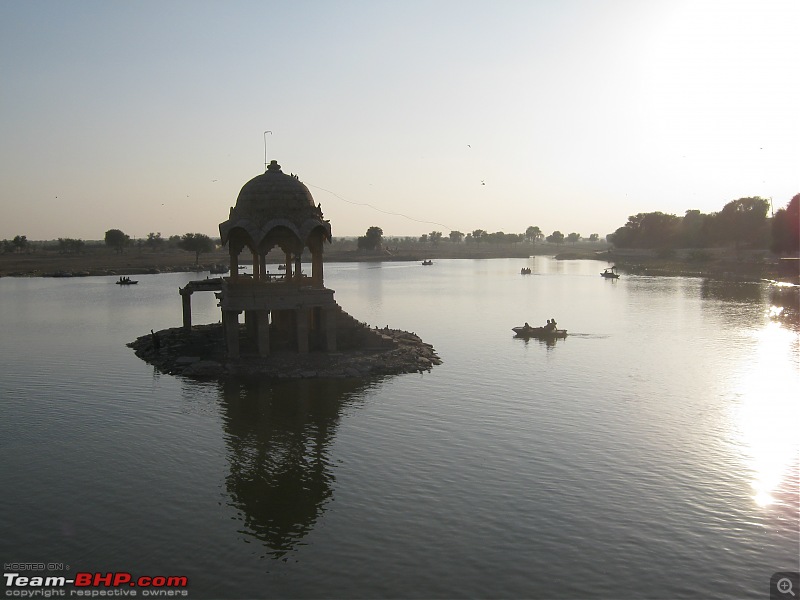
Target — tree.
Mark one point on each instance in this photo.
(477, 235)
(574, 237)
(786, 228)
(154, 240)
(20, 243)
(694, 230)
(372, 240)
(594, 237)
(556, 238)
(456, 236)
(435, 237)
(423, 238)
(533, 233)
(117, 240)
(197, 243)
(648, 230)
(742, 221)
(70, 246)
(493, 238)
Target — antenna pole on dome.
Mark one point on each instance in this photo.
(265, 149)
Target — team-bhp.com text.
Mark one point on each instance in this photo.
(95, 585)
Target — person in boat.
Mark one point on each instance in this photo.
(156, 340)
(527, 326)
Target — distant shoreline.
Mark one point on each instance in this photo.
(711, 263)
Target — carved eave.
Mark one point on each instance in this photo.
(258, 233)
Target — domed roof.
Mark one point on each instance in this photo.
(274, 199)
(274, 192)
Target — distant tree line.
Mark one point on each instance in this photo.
(191, 242)
(117, 240)
(373, 239)
(741, 223)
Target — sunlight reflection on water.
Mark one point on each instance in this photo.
(767, 411)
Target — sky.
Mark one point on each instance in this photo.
(414, 116)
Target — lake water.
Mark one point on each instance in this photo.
(651, 454)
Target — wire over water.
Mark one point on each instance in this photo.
(397, 214)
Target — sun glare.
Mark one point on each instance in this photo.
(769, 410)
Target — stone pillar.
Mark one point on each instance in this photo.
(330, 329)
(250, 324)
(288, 268)
(186, 300)
(234, 264)
(256, 266)
(262, 326)
(301, 316)
(316, 269)
(298, 268)
(230, 323)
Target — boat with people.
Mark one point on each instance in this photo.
(610, 273)
(427, 262)
(549, 331)
(126, 281)
(525, 271)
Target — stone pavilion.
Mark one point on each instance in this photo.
(282, 324)
(293, 310)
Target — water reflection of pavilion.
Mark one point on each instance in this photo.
(278, 438)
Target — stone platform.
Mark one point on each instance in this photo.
(199, 353)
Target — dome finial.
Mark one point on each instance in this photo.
(274, 166)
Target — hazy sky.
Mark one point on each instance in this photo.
(565, 114)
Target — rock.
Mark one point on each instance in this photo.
(186, 360)
(204, 369)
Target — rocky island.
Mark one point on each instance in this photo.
(199, 353)
(293, 327)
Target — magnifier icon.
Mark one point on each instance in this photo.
(784, 586)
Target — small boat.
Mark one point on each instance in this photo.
(126, 281)
(539, 332)
(610, 274)
(427, 262)
(525, 271)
